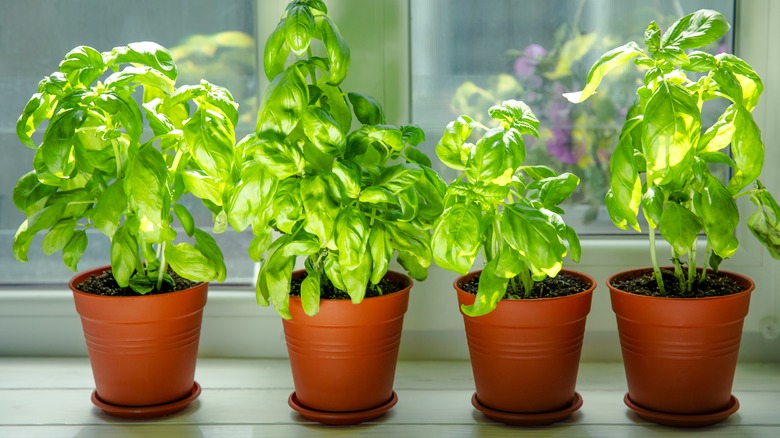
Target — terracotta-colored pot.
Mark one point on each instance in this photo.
(525, 354)
(680, 354)
(142, 349)
(343, 359)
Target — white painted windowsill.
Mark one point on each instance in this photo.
(50, 397)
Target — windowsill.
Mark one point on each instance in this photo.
(242, 397)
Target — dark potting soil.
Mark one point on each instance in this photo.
(562, 285)
(104, 284)
(329, 292)
(713, 285)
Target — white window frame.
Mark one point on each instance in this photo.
(42, 321)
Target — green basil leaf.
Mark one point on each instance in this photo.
(608, 62)
(184, 216)
(338, 51)
(124, 255)
(310, 289)
(280, 158)
(134, 76)
(555, 190)
(323, 131)
(679, 226)
(412, 266)
(653, 37)
(145, 53)
(625, 186)
(260, 243)
(653, 205)
(274, 278)
(319, 211)
(276, 52)
(41, 220)
(298, 29)
(490, 291)
(696, 30)
(456, 237)
(58, 236)
(748, 79)
(210, 137)
(411, 238)
(75, 248)
(490, 163)
(413, 135)
(398, 178)
(763, 223)
(29, 194)
(189, 262)
(518, 115)
(283, 104)
(146, 184)
(349, 174)
(747, 150)
(575, 249)
(333, 271)
(720, 216)
(249, 201)
(381, 252)
(287, 205)
(530, 232)
(352, 232)
(209, 248)
(38, 108)
(377, 195)
(122, 106)
(83, 65)
(452, 149)
(413, 155)
(367, 110)
(728, 85)
(337, 106)
(720, 134)
(670, 133)
(203, 186)
(700, 62)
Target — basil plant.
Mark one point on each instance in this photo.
(665, 160)
(311, 186)
(507, 210)
(97, 167)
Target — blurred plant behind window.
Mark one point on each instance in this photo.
(468, 56)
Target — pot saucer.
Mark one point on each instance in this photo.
(530, 419)
(683, 420)
(145, 412)
(341, 418)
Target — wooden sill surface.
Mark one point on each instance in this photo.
(50, 397)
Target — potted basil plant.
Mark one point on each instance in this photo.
(98, 170)
(524, 316)
(680, 327)
(345, 200)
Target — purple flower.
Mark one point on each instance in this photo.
(560, 146)
(525, 65)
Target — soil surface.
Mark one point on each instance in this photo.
(714, 285)
(329, 292)
(104, 284)
(562, 285)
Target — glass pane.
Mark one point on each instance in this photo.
(210, 40)
(468, 56)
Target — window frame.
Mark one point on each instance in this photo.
(40, 320)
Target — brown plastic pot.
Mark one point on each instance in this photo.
(680, 354)
(525, 354)
(142, 349)
(343, 359)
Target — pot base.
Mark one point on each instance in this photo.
(341, 418)
(530, 419)
(683, 420)
(144, 412)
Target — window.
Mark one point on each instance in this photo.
(417, 58)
